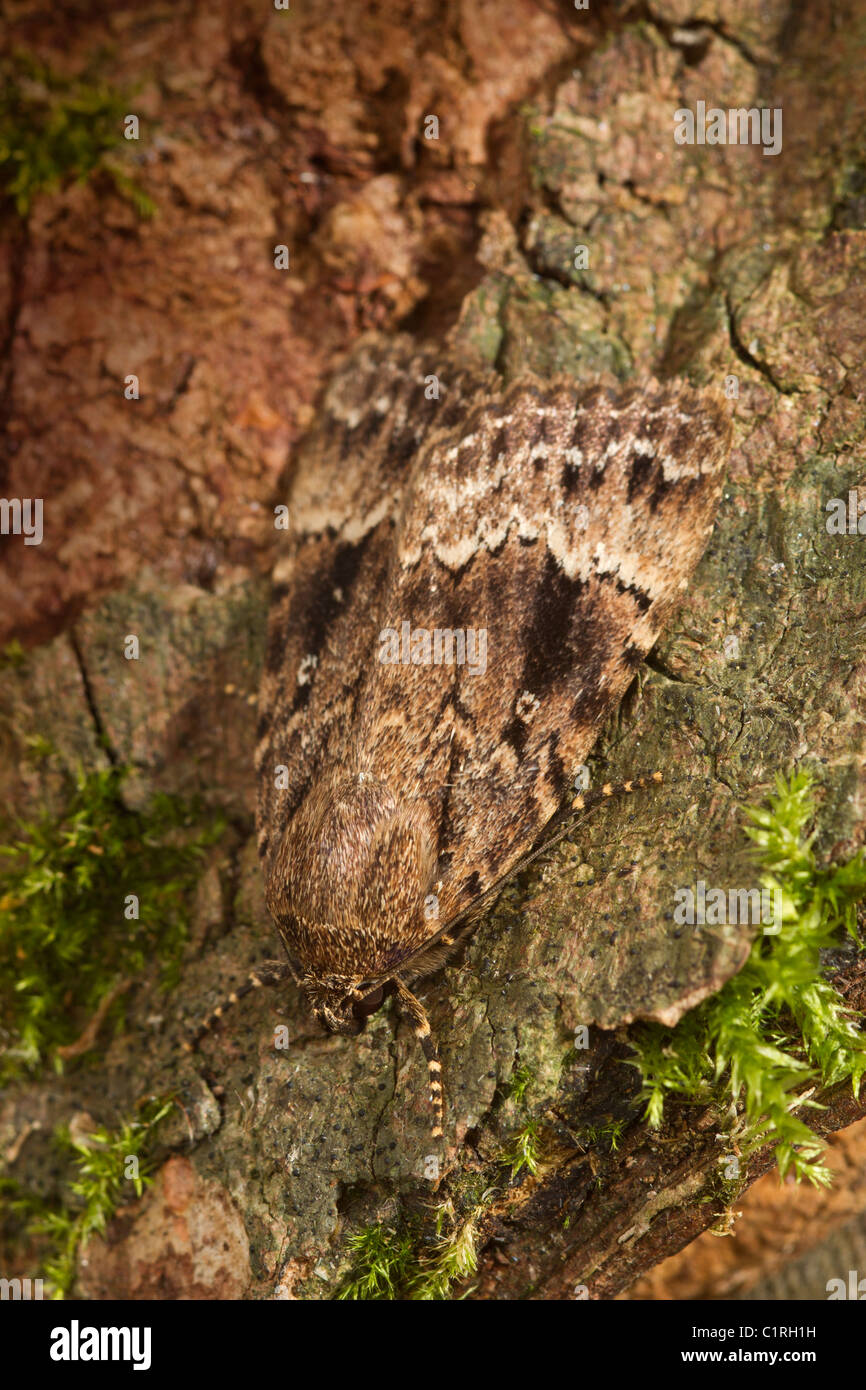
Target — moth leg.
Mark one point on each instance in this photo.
(270, 972)
(414, 1012)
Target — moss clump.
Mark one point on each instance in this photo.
(520, 1080)
(53, 130)
(105, 1162)
(605, 1136)
(524, 1150)
(382, 1259)
(453, 1258)
(397, 1264)
(778, 1028)
(68, 935)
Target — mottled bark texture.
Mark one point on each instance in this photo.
(556, 130)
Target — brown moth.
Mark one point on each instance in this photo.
(472, 575)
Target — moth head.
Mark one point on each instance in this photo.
(343, 1006)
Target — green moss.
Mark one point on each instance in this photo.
(66, 884)
(401, 1264)
(521, 1078)
(778, 1028)
(524, 1150)
(108, 1164)
(382, 1259)
(453, 1258)
(605, 1136)
(53, 130)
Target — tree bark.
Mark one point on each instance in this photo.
(556, 131)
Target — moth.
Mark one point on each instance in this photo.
(472, 576)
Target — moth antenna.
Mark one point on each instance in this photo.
(584, 800)
(270, 972)
(414, 1012)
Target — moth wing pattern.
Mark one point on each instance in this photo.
(561, 522)
(346, 491)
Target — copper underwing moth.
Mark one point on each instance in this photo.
(471, 576)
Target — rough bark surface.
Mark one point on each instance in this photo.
(557, 130)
